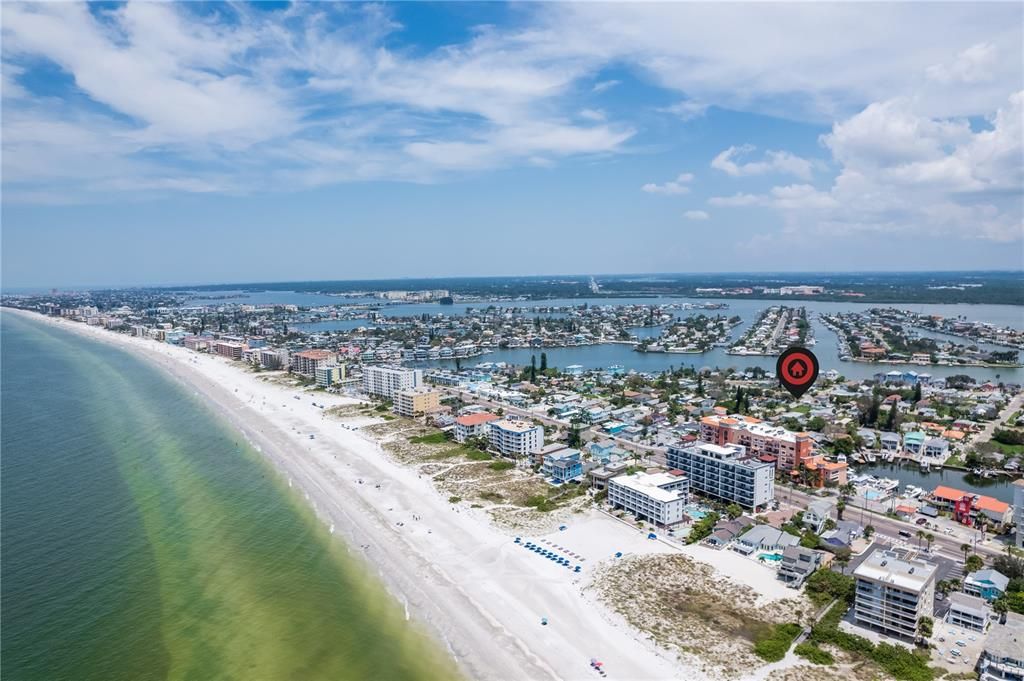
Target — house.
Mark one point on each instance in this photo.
(817, 514)
(913, 442)
(538, 455)
(988, 584)
(764, 538)
(600, 476)
(890, 442)
(563, 466)
(969, 612)
(727, 530)
(936, 448)
(797, 565)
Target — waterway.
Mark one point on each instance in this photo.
(1000, 487)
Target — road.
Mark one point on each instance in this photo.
(986, 433)
(884, 525)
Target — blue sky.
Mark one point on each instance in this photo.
(153, 143)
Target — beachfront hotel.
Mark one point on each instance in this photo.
(658, 498)
(789, 449)
(893, 593)
(515, 439)
(726, 472)
(387, 382)
(417, 401)
(307, 362)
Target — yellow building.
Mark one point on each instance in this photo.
(417, 401)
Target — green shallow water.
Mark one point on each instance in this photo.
(143, 539)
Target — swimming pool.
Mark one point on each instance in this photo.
(872, 495)
(695, 513)
(774, 557)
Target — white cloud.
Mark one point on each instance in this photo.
(686, 110)
(671, 188)
(976, 64)
(775, 162)
(696, 215)
(738, 199)
(906, 173)
(593, 114)
(605, 85)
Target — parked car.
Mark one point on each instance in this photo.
(921, 521)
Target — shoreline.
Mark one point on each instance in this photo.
(454, 573)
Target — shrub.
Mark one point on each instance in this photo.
(541, 503)
(814, 654)
(454, 500)
(501, 465)
(475, 455)
(431, 439)
(774, 646)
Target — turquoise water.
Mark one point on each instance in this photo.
(773, 557)
(143, 540)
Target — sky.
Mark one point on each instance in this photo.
(148, 143)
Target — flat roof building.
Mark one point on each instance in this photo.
(473, 425)
(306, 362)
(788, 448)
(515, 438)
(893, 593)
(658, 498)
(968, 612)
(416, 401)
(726, 472)
(1002, 658)
(388, 381)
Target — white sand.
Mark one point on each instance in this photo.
(480, 593)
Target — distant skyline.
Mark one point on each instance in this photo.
(148, 144)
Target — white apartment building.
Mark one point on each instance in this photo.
(515, 439)
(387, 381)
(893, 593)
(473, 425)
(658, 498)
(726, 472)
(1018, 511)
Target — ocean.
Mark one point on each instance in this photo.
(143, 539)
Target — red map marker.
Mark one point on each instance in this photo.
(797, 370)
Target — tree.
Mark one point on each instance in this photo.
(966, 548)
(917, 392)
(890, 422)
(739, 399)
(734, 511)
(868, 531)
(920, 536)
(876, 405)
(700, 385)
(840, 507)
(543, 362)
(973, 563)
(533, 368)
(929, 538)
(924, 627)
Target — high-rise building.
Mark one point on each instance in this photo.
(893, 593)
(306, 362)
(515, 438)
(388, 381)
(726, 472)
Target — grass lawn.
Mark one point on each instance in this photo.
(437, 438)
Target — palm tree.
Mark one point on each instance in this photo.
(966, 548)
(920, 536)
(929, 537)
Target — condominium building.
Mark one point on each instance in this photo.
(388, 381)
(726, 472)
(473, 425)
(226, 349)
(273, 359)
(893, 593)
(658, 498)
(417, 401)
(1002, 658)
(515, 438)
(789, 449)
(968, 612)
(307, 362)
(329, 375)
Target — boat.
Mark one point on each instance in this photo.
(924, 466)
(870, 456)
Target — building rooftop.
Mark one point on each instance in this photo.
(651, 485)
(766, 534)
(514, 426)
(990, 576)
(889, 568)
(966, 603)
(476, 419)
(314, 354)
(1007, 640)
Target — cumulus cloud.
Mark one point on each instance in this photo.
(907, 173)
(774, 162)
(673, 187)
(696, 215)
